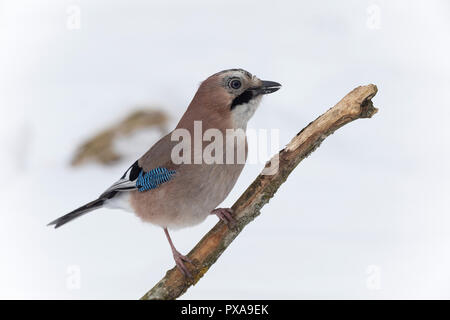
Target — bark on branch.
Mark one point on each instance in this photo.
(356, 104)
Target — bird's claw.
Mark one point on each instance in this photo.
(225, 214)
(180, 260)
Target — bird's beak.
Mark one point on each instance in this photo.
(268, 87)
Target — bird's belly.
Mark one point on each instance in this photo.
(189, 198)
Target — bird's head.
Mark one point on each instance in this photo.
(232, 94)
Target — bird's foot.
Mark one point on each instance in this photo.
(180, 260)
(225, 214)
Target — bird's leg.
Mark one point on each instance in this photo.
(225, 214)
(178, 257)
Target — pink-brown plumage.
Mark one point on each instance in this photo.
(196, 189)
(224, 101)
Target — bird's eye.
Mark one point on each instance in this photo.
(235, 84)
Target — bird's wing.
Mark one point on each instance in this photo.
(150, 171)
(135, 178)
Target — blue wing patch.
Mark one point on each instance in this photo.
(153, 179)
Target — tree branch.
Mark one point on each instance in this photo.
(356, 104)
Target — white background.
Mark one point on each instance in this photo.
(365, 216)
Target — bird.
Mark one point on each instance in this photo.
(172, 194)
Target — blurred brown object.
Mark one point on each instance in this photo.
(100, 148)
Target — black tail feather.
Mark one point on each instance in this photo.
(77, 213)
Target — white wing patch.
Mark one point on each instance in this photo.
(127, 182)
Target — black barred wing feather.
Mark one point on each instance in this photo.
(136, 178)
(153, 179)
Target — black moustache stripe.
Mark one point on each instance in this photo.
(243, 98)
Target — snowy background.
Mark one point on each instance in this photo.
(366, 216)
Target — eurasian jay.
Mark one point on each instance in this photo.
(161, 189)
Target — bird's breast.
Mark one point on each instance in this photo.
(189, 197)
